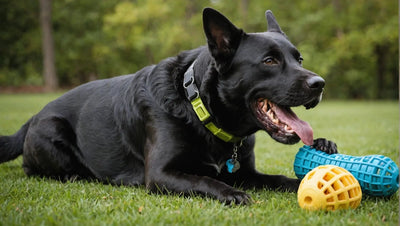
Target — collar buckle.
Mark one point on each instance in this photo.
(191, 90)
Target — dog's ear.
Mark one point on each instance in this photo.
(273, 25)
(223, 37)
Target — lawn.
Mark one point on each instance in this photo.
(358, 128)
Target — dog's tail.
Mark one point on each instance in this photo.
(12, 146)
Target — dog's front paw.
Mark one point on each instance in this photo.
(232, 196)
(325, 145)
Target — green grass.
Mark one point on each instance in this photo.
(359, 128)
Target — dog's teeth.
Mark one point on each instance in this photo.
(265, 107)
(270, 114)
(288, 129)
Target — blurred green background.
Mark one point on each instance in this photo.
(352, 44)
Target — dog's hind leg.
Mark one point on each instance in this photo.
(50, 150)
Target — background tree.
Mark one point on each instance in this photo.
(49, 67)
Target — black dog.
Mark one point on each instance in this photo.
(184, 125)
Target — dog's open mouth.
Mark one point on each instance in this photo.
(282, 123)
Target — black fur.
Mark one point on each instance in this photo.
(140, 128)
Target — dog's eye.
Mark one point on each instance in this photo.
(270, 61)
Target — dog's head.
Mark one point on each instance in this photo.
(262, 73)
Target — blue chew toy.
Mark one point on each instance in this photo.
(378, 175)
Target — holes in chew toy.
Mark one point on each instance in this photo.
(336, 185)
(342, 196)
(308, 200)
(337, 170)
(353, 180)
(347, 180)
(352, 193)
(353, 204)
(320, 185)
(311, 175)
(330, 207)
(328, 176)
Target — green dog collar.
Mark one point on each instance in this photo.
(192, 93)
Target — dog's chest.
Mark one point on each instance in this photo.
(213, 164)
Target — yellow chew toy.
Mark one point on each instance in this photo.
(329, 187)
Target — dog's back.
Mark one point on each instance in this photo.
(99, 120)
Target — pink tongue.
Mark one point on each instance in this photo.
(302, 128)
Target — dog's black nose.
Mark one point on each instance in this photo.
(315, 83)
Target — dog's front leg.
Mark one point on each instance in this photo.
(164, 181)
(251, 178)
(167, 154)
(272, 182)
(248, 177)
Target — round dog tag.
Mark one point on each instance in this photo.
(232, 165)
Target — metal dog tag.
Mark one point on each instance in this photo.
(232, 165)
